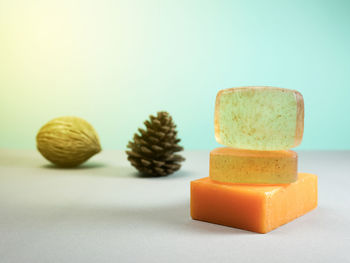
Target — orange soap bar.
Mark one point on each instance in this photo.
(258, 208)
(231, 165)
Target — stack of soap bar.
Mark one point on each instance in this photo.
(253, 183)
(257, 167)
(259, 118)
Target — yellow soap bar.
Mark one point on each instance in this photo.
(258, 208)
(259, 118)
(257, 167)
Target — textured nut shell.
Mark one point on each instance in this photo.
(67, 141)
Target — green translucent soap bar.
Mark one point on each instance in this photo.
(259, 118)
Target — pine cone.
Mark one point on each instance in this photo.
(152, 152)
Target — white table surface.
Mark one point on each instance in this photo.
(104, 212)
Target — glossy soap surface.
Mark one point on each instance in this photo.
(258, 167)
(258, 208)
(259, 118)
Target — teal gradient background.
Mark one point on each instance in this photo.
(115, 62)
